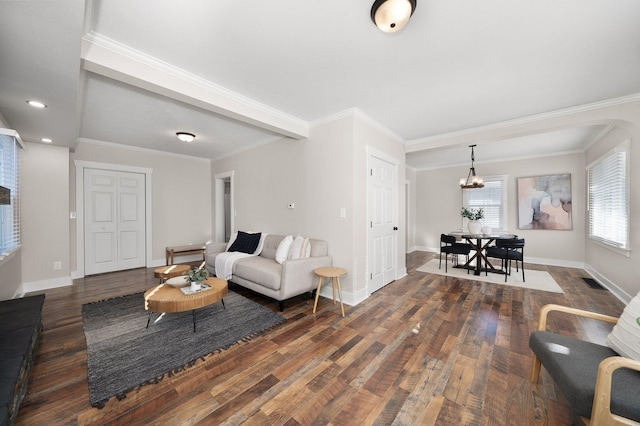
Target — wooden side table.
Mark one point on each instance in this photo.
(334, 273)
(166, 272)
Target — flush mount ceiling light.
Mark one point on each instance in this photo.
(392, 15)
(472, 181)
(185, 137)
(46, 140)
(36, 104)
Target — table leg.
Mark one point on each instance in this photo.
(340, 294)
(193, 313)
(223, 307)
(478, 257)
(149, 319)
(315, 304)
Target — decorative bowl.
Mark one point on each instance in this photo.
(178, 281)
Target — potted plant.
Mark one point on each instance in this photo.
(474, 215)
(195, 277)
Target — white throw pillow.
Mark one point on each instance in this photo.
(296, 248)
(305, 251)
(625, 336)
(283, 249)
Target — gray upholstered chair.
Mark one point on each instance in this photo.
(601, 386)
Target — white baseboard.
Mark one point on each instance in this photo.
(401, 273)
(609, 285)
(348, 298)
(554, 262)
(46, 284)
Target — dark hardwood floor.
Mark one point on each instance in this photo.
(426, 349)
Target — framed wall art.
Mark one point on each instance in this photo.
(544, 202)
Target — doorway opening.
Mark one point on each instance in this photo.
(224, 208)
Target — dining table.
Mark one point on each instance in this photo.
(479, 242)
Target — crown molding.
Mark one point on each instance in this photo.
(248, 148)
(139, 149)
(418, 144)
(357, 113)
(501, 160)
(108, 57)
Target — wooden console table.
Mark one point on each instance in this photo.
(183, 251)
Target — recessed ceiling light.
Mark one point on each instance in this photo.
(185, 137)
(36, 104)
(46, 140)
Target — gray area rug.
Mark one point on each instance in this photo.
(123, 355)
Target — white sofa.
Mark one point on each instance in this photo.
(264, 275)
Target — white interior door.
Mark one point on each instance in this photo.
(381, 205)
(131, 220)
(114, 217)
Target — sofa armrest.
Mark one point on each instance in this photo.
(211, 251)
(215, 248)
(298, 276)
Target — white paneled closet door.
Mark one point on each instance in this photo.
(114, 220)
(382, 195)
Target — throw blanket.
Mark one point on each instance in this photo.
(224, 263)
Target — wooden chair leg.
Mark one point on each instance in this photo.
(535, 369)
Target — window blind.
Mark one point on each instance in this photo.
(491, 198)
(608, 183)
(10, 153)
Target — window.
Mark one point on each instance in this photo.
(608, 199)
(492, 198)
(10, 150)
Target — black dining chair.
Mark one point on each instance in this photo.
(448, 245)
(507, 251)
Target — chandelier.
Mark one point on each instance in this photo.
(473, 181)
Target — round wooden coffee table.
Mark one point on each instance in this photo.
(166, 272)
(165, 298)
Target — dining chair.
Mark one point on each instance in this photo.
(448, 245)
(508, 250)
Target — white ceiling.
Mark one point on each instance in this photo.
(238, 74)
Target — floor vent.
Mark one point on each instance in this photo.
(593, 283)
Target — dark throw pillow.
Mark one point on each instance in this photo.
(246, 243)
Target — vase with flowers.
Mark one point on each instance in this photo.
(474, 216)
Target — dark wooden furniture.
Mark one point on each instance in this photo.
(20, 326)
(479, 242)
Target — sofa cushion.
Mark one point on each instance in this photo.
(573, 365)
(270, 246)
(246, 243)
(283, 249)
(259, 269)
(625, 336)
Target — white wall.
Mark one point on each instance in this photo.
(181, 193)
(368, 135)
(411, 208)
(439, 199)
(618, 271)
(321, 175)
(45, 216)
